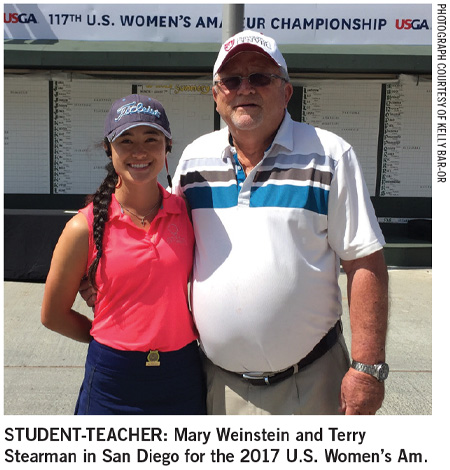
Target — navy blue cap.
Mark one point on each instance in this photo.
(133, 111)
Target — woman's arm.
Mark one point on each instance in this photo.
(67, 268)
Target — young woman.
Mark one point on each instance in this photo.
(134, 241)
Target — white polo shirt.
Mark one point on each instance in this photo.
(266, 264)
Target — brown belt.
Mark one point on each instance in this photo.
(324, 345)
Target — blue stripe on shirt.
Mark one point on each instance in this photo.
(289, 196)
(301, 197)
(209, 197)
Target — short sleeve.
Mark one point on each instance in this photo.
(353, 229)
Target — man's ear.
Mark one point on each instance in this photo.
(288, 92)
(214, 92)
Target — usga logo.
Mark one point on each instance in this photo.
(19, 18)
(411, 24)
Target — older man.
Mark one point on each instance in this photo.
(276, 205)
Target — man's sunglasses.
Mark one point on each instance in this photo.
(254, 79)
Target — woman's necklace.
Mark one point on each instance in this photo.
(158, 203)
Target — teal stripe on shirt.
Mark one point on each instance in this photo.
(211, 197)
(300, 197)
(289, 196)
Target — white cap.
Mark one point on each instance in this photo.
(247, 41)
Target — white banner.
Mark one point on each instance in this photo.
(287, 23)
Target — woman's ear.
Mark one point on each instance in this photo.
(107, 147)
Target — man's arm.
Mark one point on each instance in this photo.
(367, 286)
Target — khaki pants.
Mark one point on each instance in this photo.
(314, 390)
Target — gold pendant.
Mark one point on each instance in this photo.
(153, 359)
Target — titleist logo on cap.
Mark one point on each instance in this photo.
(133, 108)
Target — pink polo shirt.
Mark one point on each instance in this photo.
(142, 279)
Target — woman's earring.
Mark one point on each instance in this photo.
(169, 178)
(119, 182)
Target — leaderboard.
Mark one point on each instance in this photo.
(26, 141)
(352, 111)
(407, 144)
(388, 125)
(53, 129)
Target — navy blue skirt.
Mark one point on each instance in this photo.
(119, 382)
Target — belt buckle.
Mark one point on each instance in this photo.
(153, 359)
(257, 376)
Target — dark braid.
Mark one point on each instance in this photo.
(101, 200)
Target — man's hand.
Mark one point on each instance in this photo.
(361, 394)
(88, 293)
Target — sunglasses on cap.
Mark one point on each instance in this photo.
(254, 79)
